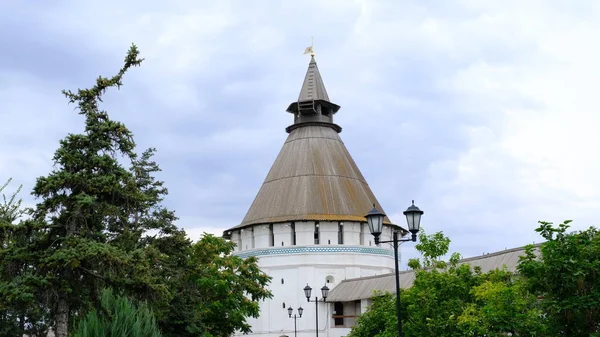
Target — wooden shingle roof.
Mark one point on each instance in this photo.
(313, 178)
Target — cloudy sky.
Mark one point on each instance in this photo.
(484, 112)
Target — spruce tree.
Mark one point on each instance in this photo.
(99, 223)
(93, 212)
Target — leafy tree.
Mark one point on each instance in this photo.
(502, 306)
(118, 316)
(567, 276)
(437, 299)
(379, 320)
(216, 292)
(434, 302)
(432, 248)
(438, 295)
(453, 300)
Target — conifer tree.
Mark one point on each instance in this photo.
(118, 316)
(21, 304)
(93, 212)
(99, 222)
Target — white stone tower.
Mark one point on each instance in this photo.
(307, 225)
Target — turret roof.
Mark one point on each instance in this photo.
(314, 177)
(313, 88)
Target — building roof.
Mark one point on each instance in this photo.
(363, 287)
(314, 177)
(313, 87)
(312, 92)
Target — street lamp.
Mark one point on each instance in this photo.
(413, 219)
(324, 294)
(290, 312)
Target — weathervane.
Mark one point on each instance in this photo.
(310, 50)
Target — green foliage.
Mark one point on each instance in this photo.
(9, 314)
(454, 300)
(379, 320)
(437, 298)
(99, 222)
(21, 311)
(432, 248)
(218, 291)
(502, 305)
(10, 209)
(118, 317)
(93, 211)
(566, 275)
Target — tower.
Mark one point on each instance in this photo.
(307, 225)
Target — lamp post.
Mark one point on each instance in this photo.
(290, 311)
(324, 294)
(413, 219)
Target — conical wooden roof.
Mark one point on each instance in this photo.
(313, 87)
(314, 176)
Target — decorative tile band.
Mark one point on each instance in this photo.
(314, 249)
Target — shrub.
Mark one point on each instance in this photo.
(118, 316)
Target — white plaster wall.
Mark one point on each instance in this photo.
(351, 233)
(344, 260)
(328, 232)
(297, 270)
(367, 238)
(283, 234)
(262, 236)
(305, 233)
(247, 235)
(259, 236)
(237, 239)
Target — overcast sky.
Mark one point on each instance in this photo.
(484, 112)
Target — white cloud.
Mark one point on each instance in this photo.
(484, 112)
(523, 78)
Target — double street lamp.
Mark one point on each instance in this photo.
(324, 294)
(413, 218)
(290, 312)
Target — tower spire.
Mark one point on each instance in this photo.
(313, 105)
(313, 87)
